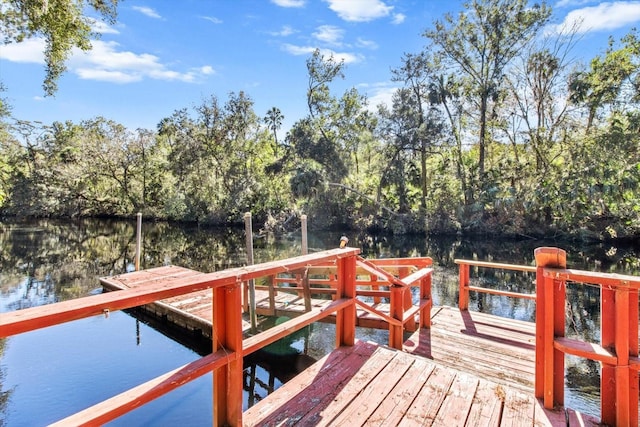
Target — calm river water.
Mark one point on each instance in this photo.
(49, 374)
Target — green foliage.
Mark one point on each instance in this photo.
(62, 23)
(461, 149)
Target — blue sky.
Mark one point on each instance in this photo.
(164, 55)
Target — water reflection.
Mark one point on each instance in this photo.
(47, 261)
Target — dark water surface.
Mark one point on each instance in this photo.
(51, 373)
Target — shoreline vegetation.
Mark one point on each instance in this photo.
(492, 131)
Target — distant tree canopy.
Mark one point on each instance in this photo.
(61, 23)
(492, 129)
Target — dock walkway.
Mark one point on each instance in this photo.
(371, 385)
(469, 368)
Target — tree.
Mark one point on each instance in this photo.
(62, 23)
(218, 157)
(416, 72)
(608, 79)
(480, 43)
(273, 120)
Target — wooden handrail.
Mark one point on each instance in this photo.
(228, 345)
(496, 265)
(464, 280)
(617, 351)
(131, 399)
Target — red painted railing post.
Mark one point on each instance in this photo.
(550, 316)
(227, 335)
(396, 311)
(634, 380)
(346, 288)
(607, 340)
(463, 299)
(559, 319)
(410, 324)
(425, 293)
(540, 343)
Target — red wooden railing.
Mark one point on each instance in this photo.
(465, 280)
(391, 278)
(228, 345)
(618, 347)
(229, 348)
(617, 351)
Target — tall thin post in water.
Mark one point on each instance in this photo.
(252, 289)
(303, 226)
(138, 241)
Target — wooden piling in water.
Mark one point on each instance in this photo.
(303, 229)
(252, 288)
(138, 241)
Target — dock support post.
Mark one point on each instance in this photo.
(227, 335)
(425, 293)
(346, 288)
(463, 298)
(303, 228)
(138, 240)
(550, 319)
(252, 286)
(608, 341)
(396, 308)
(306, 291)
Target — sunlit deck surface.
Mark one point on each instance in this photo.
(372, 385)
(469, 368)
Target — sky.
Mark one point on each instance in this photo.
(165, 55)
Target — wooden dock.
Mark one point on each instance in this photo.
(193, 312)
(443, 366)
(469, 368)
(371, 385)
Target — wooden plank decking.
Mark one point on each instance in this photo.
(371, 385)
(492, 347)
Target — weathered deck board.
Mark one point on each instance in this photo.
(498, 349)
(396, 389)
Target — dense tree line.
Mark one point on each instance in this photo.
(493, 130)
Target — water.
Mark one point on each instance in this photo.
(49, 374)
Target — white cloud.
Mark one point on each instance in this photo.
(380, 93)
(151, 13)
(329, 34)
(112, 76)
(289, 3)
(213, 19)
(603, 17)
(398, 18)
(28, 51)
(283, 32)
(360, 10)
(102, 27)
(369, 44)
(571, 3)
(327, 53)
(298, 50)
(206, 70)
(106, 63)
